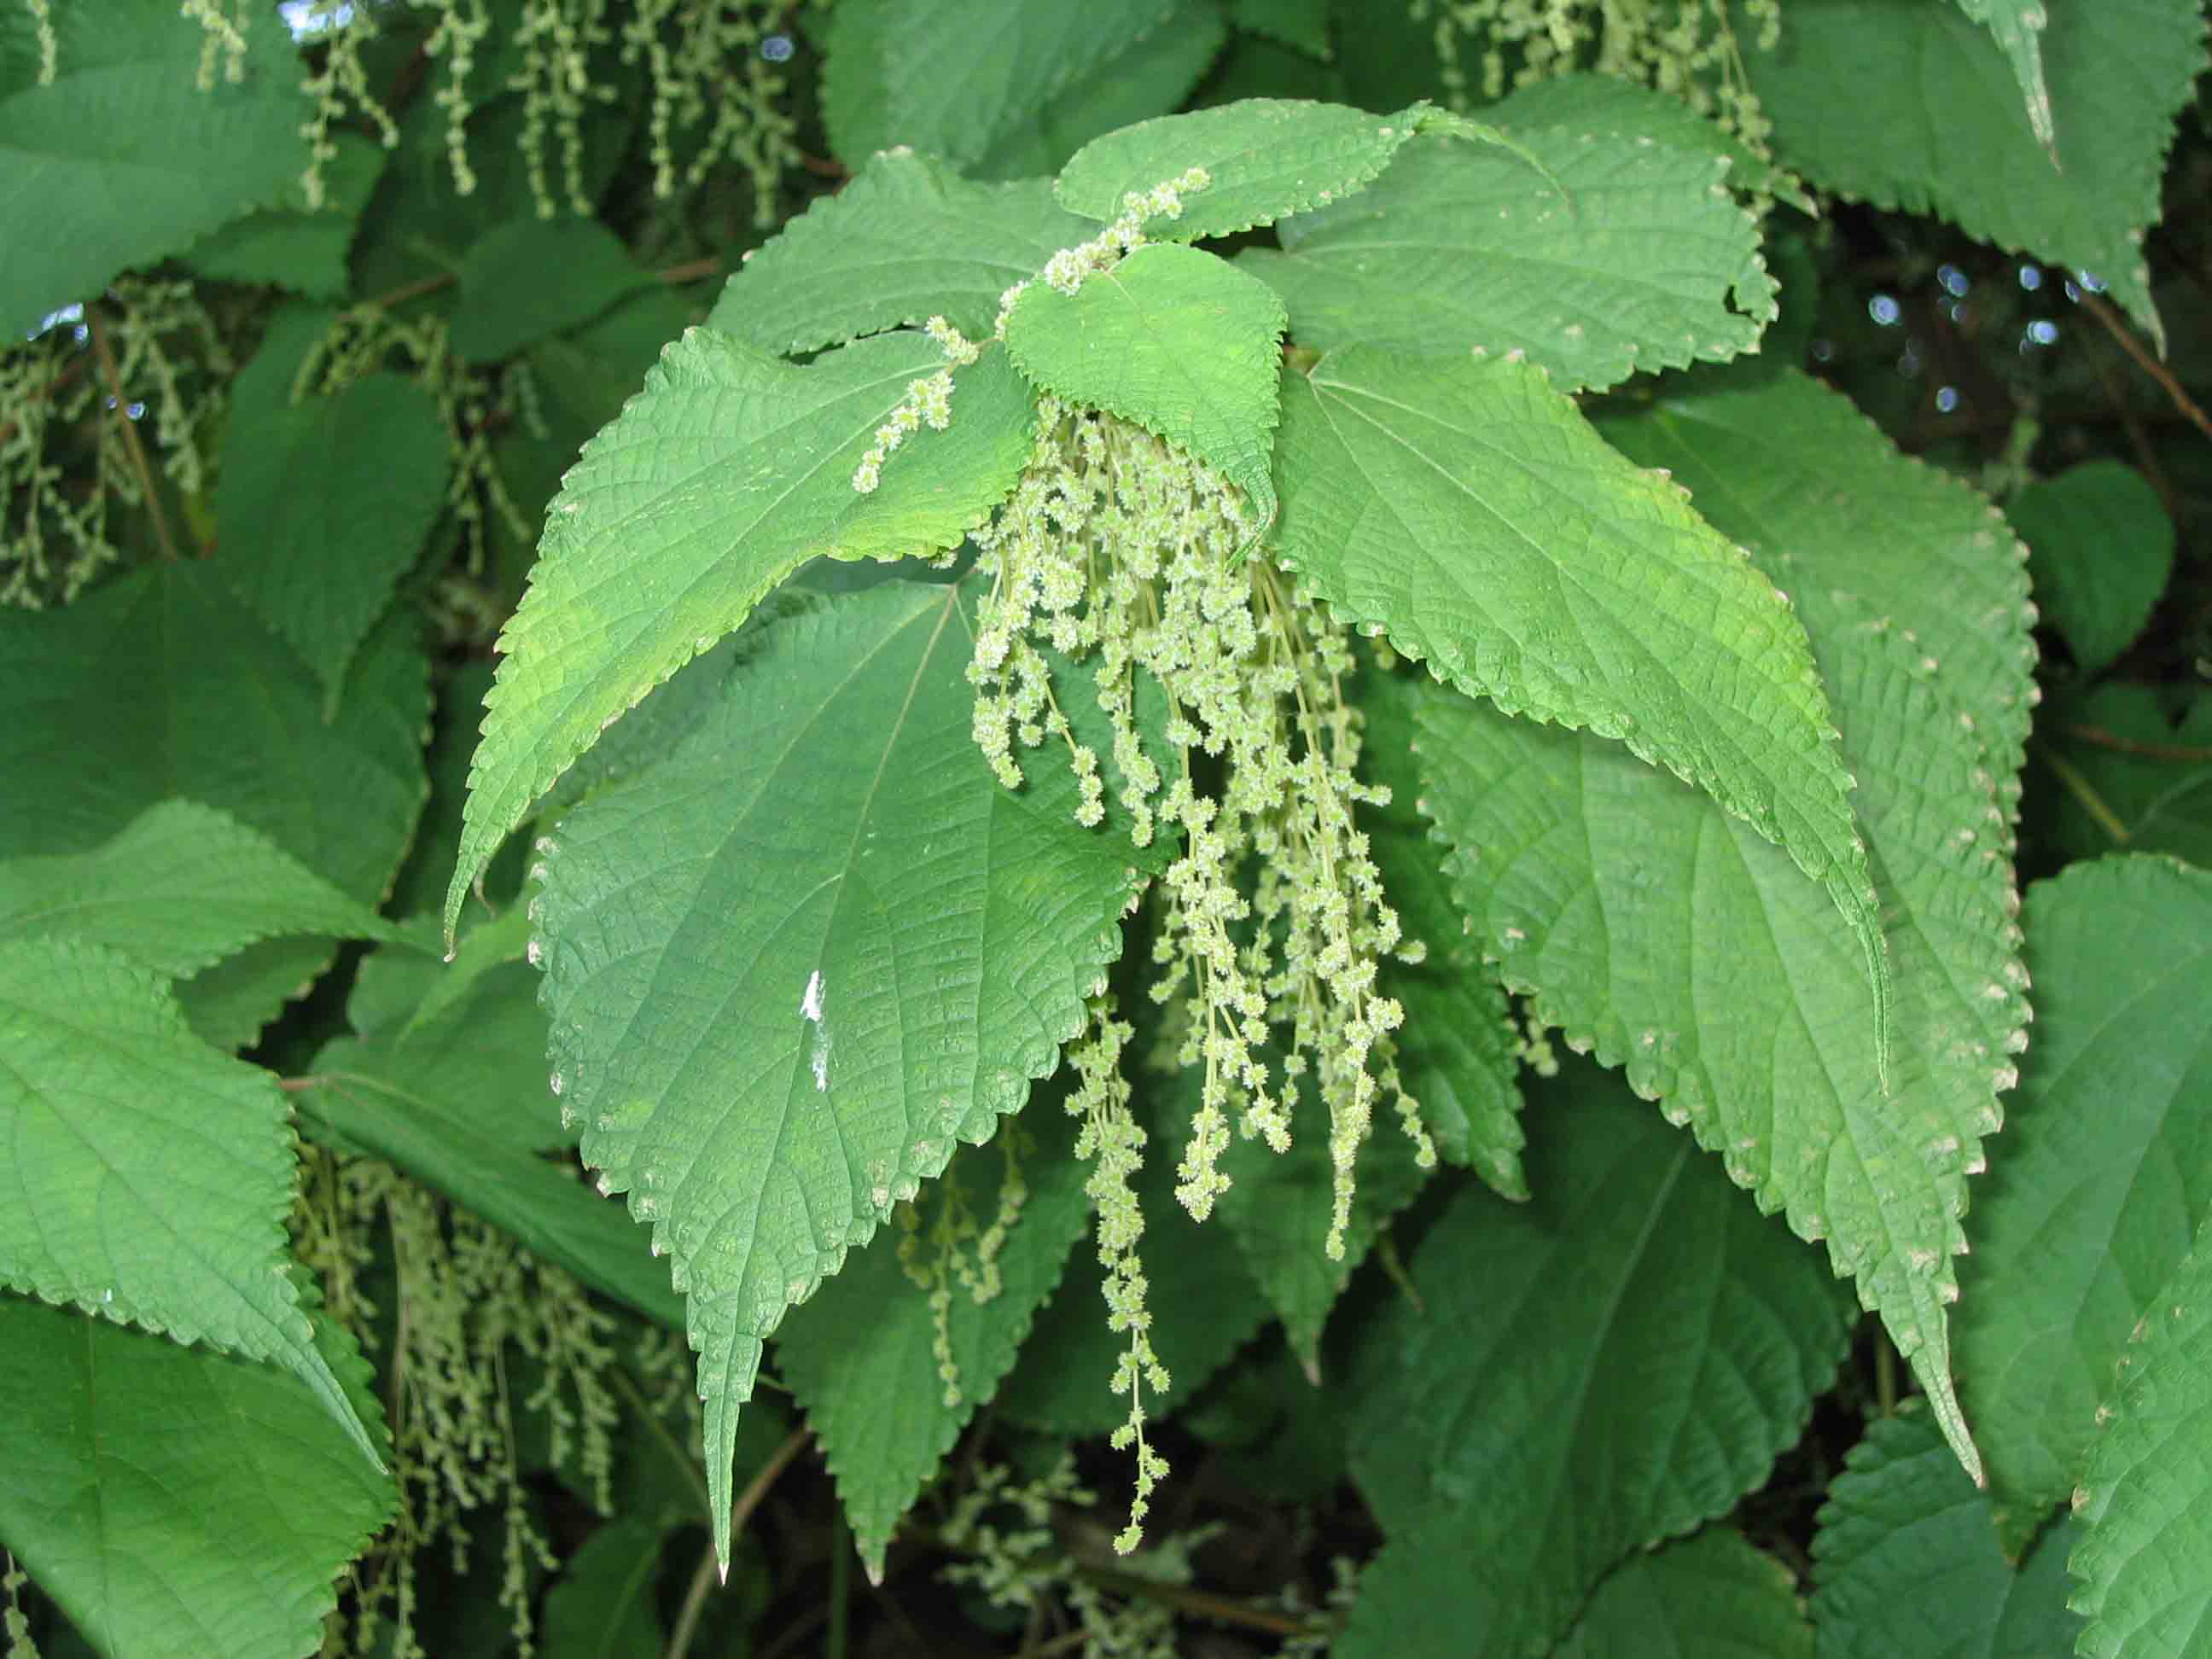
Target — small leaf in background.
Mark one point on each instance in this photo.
(1711, 1595)
(176, 1502)
(884, 948)
(1600, 885)
(1300, 23)
(906, 240)
(1611, 1364)
(531, 277)
(2118, 772)
(2094, 1194)
(292, 246)
(1156, 72)
(179, 887)
(147, 1177)
(1265, 158)
(1644, 262)
(2143, 1566)
(171, 649)
(1457, 1051)
(728, 471)
(325, 502)
(861, 1357)
(1906, 1561)
(460, 1103)
(124, 160)
(1468, 510)
(1913, 107)
(1181, 342)
(602, 1606)
(956, 77)
(2100, 548)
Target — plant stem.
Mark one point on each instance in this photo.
(2173, 751)
(841, 1590)
(2084, 792)
(695, 1597)
(1885, 1373)
(2101, 309)
(131, 446)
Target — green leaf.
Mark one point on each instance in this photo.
(2016, 26)
(726, 473)
(1645, 262)
(1906, 1561)
(2116, 772)
(1912, 107)
(162, 684)
(956, 77)
(1278, 1207)
(122, 160)
(1606, 105)
(1156, 72)
(1469, 511)
(602, 1606)
(293, 246)
(1711, 1595)
(1300, 23)
(2091, 1201)
(148, 1176)
(906, 240)
(530, 277)
(182, 886)
(2144, 1565)
(176, 1502)
(1457, 1049)
(1182, 344)
(1503, 1444)
(2101, 548)
(859, 1355)
(1266, 159)
(1600, 885)
(883, 949)
(460, 1102)
(323, 503)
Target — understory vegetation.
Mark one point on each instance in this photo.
(1174, 827)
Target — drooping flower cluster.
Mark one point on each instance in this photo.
(1118, 552)
(959, 1251)
(1685, 47)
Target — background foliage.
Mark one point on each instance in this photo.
(473, 750)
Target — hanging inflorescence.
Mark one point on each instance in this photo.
(1688, 48)
(956, 1249)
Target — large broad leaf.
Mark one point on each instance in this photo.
(861, 1357)
(2100, 547)
(1649, 927)
(792, 964)
(1603, 1367)
(956, 77)
(2099, 1183)
(179, 887)
(1907, 1562)
(124, 159)
(323, 503)
(1265, 158)
(1457, 1051)
(605, 1606)
(460, 1102)
(146, 1176)
(531, 277)
(175, 1502)
(2145, 1563)
(729, 470)
(1470, 512)
(1911, 106)
(1184, 344)
(163, 684)
(293, 246)
(908, 239)
(1708, 1596)
(1645, 262)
